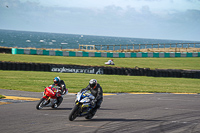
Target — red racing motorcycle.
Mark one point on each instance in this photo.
(49, 98)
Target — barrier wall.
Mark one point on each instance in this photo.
(24, 66)
(104, 54)
(61, 68)
(5, 50)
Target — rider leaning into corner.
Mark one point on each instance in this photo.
(97, 92)
(62, 89)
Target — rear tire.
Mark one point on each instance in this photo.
(40, 104)
(54, 106)
(74, 113)
(91, 114)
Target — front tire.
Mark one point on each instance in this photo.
(40, 104)
(74, 113)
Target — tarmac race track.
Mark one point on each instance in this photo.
(120, 113)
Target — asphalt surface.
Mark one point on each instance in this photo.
(121, 113)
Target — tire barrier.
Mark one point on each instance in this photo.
(24, 66)
(6, 50)
(177, 73)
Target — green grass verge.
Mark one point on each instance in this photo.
(1, 97)
(160, 63)
(35, 82)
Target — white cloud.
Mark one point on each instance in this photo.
(159, 19)
(138, 4)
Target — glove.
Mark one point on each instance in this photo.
(63, 92)
(82, 90)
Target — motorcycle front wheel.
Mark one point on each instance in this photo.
(74, 113)
(40, 104)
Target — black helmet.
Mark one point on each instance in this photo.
(93, 83)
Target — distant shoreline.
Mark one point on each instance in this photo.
(123, 50)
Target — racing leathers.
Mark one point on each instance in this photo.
(62, 91)
(97, 92)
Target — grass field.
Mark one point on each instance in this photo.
(160, 63)
(1, 96)
(35, 81)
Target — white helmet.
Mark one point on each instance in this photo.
(93, 83)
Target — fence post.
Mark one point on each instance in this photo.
(139, 47)
(133, 46)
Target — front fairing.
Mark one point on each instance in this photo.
(50, 95)
(83, 100)
(84, 97)
(50, 92)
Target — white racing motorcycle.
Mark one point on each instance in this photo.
(82, 106)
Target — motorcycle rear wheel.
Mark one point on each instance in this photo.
(91, 114)
(54, 106)
(74, 113)
(40, 104)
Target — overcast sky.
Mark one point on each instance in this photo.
(156, 19)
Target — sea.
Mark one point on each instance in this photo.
(29, 39)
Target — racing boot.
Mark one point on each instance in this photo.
(59, 101)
